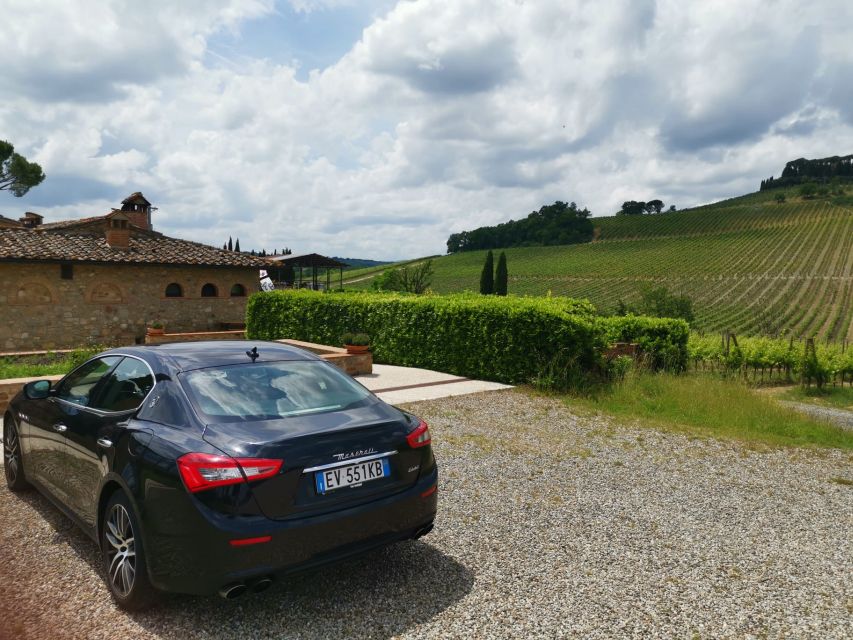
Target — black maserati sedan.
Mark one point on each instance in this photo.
(211, 467)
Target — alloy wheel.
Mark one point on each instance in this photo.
(11, 453)
(122, 550)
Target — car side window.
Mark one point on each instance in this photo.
(125, 387)
(78, 386)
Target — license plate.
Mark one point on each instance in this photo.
(351, 475)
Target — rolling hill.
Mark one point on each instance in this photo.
(750, 265)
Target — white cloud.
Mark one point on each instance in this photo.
(444, 116)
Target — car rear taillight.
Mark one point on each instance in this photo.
(420, 436)
(201, 471)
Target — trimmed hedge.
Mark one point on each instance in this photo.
(507, 339)
(663, 340)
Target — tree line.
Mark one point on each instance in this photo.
(235, 246)
(554, 224)
(823, 170)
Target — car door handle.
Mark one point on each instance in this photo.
(103, 442)
(60, 428)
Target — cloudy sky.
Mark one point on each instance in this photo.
(376, 129)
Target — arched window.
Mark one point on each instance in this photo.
(208, 291)
(238, 291)
(174, 290)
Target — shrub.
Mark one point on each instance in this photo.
(414, 278)
(507, 339)
(663, 341)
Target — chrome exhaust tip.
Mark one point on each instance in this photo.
(231, 591)
(261, 584)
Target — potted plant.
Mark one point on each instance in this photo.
(356, 342)
(156, 329)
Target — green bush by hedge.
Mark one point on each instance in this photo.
(663, 341)
(504, 339)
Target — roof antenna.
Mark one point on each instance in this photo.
(253, 354)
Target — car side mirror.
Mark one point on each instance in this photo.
(37, 390)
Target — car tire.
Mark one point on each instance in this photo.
(13, 459)
(124, 556)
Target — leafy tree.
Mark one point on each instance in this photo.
(17, 174)
(671, 208)
(487, 277)
(237, 245)
(388, 280)
(808, 190)
(416, 278)
(779, 198)
(501, 276)
(659, 302)
(412, 279)
(632, 208)
(654, 206)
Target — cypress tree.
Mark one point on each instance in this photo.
(487, 278)
(501, 276)
(230, 244)
(237, 245)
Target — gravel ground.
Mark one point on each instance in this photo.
(840, 417)
(551, 524)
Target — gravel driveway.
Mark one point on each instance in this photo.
(551, 524)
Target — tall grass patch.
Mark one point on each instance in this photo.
(710, 406)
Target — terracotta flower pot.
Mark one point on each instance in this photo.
(151, 331)
(357, 348)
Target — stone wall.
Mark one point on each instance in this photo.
(112, 303)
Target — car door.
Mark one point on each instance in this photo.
(49, 419)
(99, 428)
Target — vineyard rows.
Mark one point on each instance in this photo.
(769, 359)
(754, 269)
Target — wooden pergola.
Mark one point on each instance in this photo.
(305, 269)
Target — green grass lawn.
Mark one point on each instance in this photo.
(841, 398)
(709, 406)
(49, 364)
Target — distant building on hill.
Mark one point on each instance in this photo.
(104, 279)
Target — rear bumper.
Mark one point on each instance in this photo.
(197, 557)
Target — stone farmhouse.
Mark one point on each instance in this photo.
(103, 280)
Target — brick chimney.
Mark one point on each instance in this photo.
(138, 210)
(31, 219)
(118, 232)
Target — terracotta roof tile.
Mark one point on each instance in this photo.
(9, 223)
(64, 224)
(47, 242)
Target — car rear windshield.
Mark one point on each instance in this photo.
(270, 390)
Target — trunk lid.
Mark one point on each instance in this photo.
(370, 429)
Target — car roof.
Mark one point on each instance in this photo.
(184, 356)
